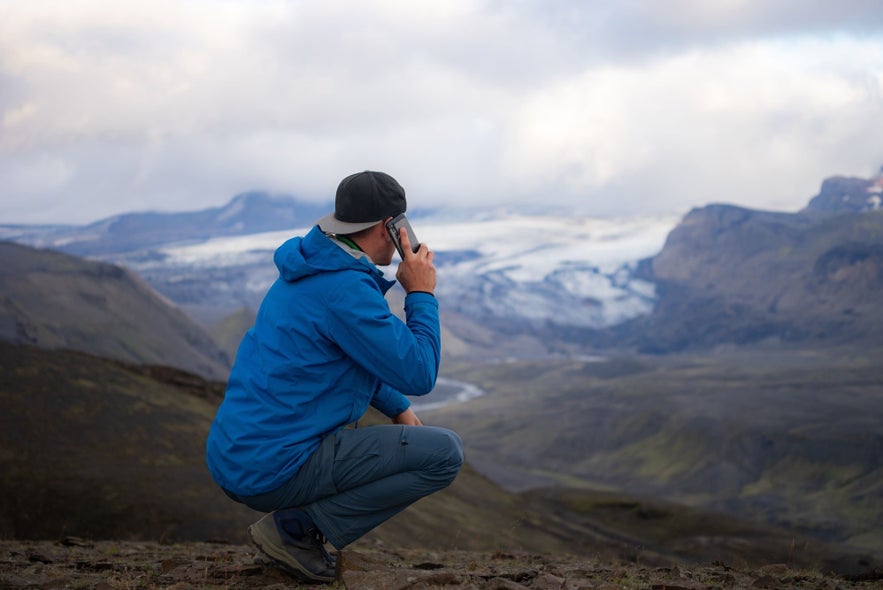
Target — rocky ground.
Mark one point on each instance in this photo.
(106, 565)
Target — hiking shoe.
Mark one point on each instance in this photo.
(261, 558)
(305, 557)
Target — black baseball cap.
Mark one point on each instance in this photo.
(364, 199)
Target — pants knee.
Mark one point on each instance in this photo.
(454, 454)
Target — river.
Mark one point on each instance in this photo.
(446, 392)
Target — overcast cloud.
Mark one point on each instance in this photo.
(614, 108)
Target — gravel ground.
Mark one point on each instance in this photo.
(106, 565)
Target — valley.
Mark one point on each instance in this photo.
(790, 439)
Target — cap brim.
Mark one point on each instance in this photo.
(331, 225)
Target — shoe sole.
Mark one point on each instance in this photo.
(282, 559)
(261, 558)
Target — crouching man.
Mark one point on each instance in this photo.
(324, 347)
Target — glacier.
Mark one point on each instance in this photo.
(543, 270)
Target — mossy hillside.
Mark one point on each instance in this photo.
(106, 450)
(786, 438)
(102, 449)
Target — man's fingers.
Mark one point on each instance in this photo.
(406, 242)
(406, 245)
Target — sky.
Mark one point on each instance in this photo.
(623, 108)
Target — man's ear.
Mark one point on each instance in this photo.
(383, 229)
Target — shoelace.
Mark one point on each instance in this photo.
(320, 540)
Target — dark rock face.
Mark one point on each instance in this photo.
(841, 195)
(735, 276)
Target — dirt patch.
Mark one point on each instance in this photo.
(105, 565)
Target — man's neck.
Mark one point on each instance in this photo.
(350, 247)
(349, 243)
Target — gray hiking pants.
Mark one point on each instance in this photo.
(359, 478)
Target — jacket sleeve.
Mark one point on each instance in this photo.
(404, 356)
(390, 401)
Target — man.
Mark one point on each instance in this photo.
(324, 346)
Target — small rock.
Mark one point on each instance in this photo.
(428, 565)
(76, 542)
(548, 582)
(37, 557)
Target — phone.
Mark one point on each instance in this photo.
(393, 227)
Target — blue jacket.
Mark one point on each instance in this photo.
(324, 346)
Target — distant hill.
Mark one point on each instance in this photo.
(54, 300)
(247, 213)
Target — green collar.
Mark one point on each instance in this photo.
(348, 242)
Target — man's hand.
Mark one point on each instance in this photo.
(408, 418)
(416, 271)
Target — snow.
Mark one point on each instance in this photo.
(566, 270)
(229, 251)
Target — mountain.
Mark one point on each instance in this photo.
(518, 286)
(513, 285)
(511, 274)
(247, 213)
(729, 275)
(499, 271)
(54, 300)
(841, 194)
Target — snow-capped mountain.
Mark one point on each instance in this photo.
(503, 271)
(548, 270)
(515, 284)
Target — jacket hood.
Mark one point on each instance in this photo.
(315, 253)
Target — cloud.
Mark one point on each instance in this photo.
(735, 124)
(612, 107)
(635, 29)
